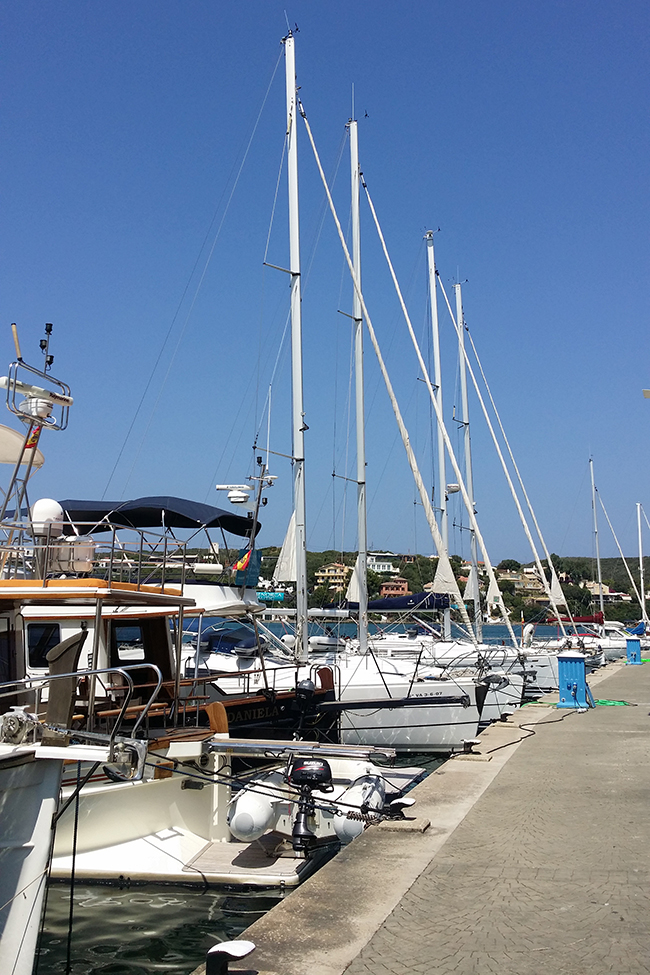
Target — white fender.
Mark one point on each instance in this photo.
(365, 791)
(256, 808)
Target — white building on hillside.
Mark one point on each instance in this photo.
(380, 562)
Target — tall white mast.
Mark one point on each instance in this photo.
(469, 480)
(593, 505)
(644, 615)
(424, 495)
(437, 380)
(296, 353)
(362, 560)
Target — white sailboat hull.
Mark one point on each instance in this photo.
(29, 792)
(30, 781)
(428, 724)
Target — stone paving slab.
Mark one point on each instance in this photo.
(537, 860)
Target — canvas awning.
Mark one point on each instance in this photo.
(155, 512)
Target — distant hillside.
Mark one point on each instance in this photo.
(613, 571)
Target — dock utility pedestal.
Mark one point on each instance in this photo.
(572, 681)
(633, 650)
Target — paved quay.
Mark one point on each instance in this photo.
(531, 857)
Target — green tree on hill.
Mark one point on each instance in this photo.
(509, 565)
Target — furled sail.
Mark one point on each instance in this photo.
(557, 595)
(285, 569)
(445, 580)
(353, 591)
(494, 598)
(471, 593)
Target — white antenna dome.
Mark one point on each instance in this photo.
(46, 516)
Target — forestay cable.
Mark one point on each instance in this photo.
(185, 291)
(620, 550)
(548, 588)
(436, 405)
(424, 497)
(547, 554)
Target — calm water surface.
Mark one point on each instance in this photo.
(144, 929)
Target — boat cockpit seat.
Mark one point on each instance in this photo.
(64, 659)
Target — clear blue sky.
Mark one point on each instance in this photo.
(518, 128)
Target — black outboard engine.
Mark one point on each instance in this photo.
(308, 774)
(304, 699)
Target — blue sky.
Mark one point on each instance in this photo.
(520, 129)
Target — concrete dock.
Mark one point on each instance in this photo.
(531, 856)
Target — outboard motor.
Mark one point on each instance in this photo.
(308, 774)
(305, 691)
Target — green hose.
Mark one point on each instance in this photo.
(613, 704)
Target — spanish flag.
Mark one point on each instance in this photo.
(242, 562)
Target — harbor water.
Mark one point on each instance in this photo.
(141, 929)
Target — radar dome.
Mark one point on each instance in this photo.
(46, 516)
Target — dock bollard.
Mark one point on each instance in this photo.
(572, 680)
(218, 957)
(633, 650)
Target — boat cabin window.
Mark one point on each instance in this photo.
(41, 637)
(128, 642)
(138, 640)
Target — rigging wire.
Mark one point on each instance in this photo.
(620, 550)
(73, 873)
(346, 462)
(306, 275)
(645, 516)
(512, 460)
(184, 294)
(348, 406)
(547, 585)
(380, 360)
(259, 415)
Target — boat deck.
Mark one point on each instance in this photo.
(261, 857)
(176, 856)
(533, 856)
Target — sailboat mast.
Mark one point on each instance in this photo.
(437, 379)
(644, 615)
(362, 532)
(298, 422)
(593, 505)
(469, 480)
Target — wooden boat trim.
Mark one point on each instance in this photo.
(16, 591)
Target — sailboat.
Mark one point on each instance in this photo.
(597, 635)
(381, 700)
(164, 791)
